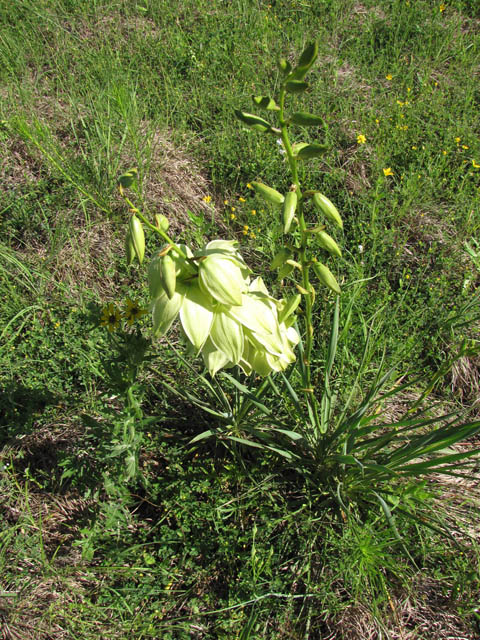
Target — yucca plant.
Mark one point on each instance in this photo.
(341, 445)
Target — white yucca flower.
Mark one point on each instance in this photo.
(228, 319)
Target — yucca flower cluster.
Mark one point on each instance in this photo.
(227, 317)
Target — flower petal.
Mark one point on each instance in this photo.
(213, 358)
(227, 336)
(164, 312)
(222, 278)
(196, 315)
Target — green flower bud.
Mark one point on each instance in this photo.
(138, 237)
(327, 208)
(328, 243)
(326, 277)
(289, 208)
(269, 194)
(168, 274)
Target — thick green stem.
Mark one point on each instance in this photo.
(302, 254)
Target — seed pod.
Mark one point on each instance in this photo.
(129, 248)
(280, 258)
(289, 208)
(138, 237)
(326, 277)
(306, 119)
(269, 194)
(169, 276)
(253, 121)
(328, 209)
(328, 243)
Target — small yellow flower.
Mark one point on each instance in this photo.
(232, 209)
(388, 172)
(399, 102)
(245, 232)
(414, 147)
(475, 165)
(249, 186)
(207, 199)
(253, 212)
(110, 317)
(408, 89)
(252, 235)
(435, 84)
(241, 199)
(246, 227)
(444, 152)
(361, 139)
(225, 202)
(464, 146)
(232, 216)
(442, 8)
(133, 312)
(377, 120)
(388, 76)
(457, 140)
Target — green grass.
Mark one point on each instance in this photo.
(219, 542)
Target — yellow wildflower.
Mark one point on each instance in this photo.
(457, 140)
(475, 165)
(133, 312)
(110, 317)
(225, 202)
(361, 139)
(388, 172)
(207, 199)
(241, 199)
(388, 76)
(442, 8)
(252, 235)
(253, 212)
(232, 216)
(249, 186)
(464, 146)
